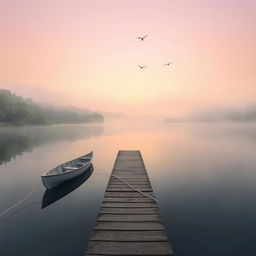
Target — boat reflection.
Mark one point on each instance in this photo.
(54, 194)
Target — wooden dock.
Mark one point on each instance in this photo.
(129, 223)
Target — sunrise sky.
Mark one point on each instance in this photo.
(85, 53)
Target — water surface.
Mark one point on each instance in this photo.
(203, 176)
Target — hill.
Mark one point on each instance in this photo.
(16, 110)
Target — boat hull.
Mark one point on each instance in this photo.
(51, 181)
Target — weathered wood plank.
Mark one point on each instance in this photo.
(129, 167)
(129, 236)
(129, 226)
(128, 160)
(129, 205)
(128, 189)
(128, 163)
(146, 186)
(129, 172)
(128, 218)
(132, 152)
(129, 175)
(129, 248)
(126, 194)
(129, 181)
(122, 159)
(131, 178)
(140, 187)
(125, 186)
(141, 169)
(126, 211)
(117, 182)
(127, 178)
(126, 200)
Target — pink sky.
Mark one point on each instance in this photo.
(85, 53)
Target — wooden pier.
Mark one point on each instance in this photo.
(129, 223)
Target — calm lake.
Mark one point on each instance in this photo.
(203, 176)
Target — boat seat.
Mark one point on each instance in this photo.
(70, 168)
(85, 158)
(80, 164)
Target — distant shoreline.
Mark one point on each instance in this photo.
(17, 111)
(2, 124)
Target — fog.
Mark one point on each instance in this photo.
(217, 115)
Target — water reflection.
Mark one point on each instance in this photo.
(16, 140)
(56, 193)
(203, 177)
(225, 131)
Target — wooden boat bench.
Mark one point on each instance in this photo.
(84, 158)
(70, 168)
(80, 164)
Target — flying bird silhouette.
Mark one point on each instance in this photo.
(168, 64)
(142, 37)
(141, 67)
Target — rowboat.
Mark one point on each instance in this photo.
(67, 171)
(60, 191)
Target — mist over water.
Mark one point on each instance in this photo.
(203, 176)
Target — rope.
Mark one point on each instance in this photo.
(20, 201)
(18, 211)
(103, 172)
(127, 184)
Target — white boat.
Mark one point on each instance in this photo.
(67, 171)
(58, 192)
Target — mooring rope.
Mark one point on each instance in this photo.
(20, 201)
(127, 184)
(18, 211)
(102, 172)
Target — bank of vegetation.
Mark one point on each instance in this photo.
(15, 110)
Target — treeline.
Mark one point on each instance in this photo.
(18, 111)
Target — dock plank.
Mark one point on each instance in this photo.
(126, 200)
(127, 179)
(128, 218)
(129, 226)
(129, 205)
(126, 194)
(129, 248)
(128, 189)
(130, 236)
(117, 182)
(129, 210)
(126, 186)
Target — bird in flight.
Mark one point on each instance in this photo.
(168, 64)
(142, 37)
(141, 67)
